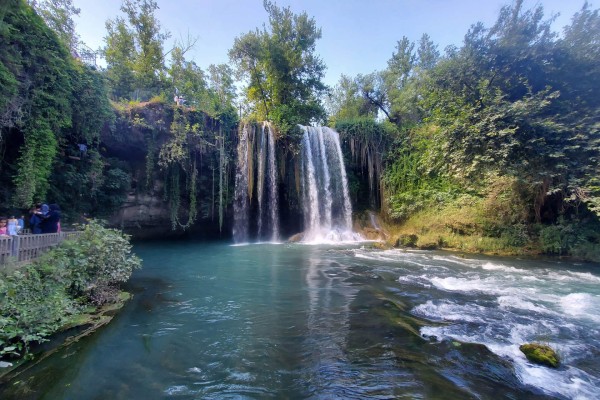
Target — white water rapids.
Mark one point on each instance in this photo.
(502, 306)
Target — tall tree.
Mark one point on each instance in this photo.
(188, 80)
(58, 15)
(427, 53)
(146, 61)
(283, 72)
(118, 52)
(222, 86)
(346, 102)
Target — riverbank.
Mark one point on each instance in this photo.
(75, 328)
(72, 285)
(469, 229)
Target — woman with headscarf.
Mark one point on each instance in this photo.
(50, 222)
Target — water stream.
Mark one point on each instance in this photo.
(296, 321)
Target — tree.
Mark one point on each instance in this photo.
(283, 72)
(120, 46)
(346, 101)
(222, 86)
(427, 53)
(188, 80)
(58, 15)
(135, 49)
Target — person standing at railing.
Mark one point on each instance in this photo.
(21, 223)
(36, 219)
(12, 226)
(51, 221)
(3, 223)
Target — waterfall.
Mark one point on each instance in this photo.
(262, 155)
(273, 193)
(264, 214)
(326, 199)
(241, 203)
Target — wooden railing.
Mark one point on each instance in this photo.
(22, 248)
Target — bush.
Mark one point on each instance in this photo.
(37, 300)
(33, 304)
(98, 261)
(559, 238)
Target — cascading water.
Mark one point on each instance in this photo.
(241, 204)
(274, 203)
(325, 197)
(326, 200)
(264, 215)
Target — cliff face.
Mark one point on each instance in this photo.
(144, 216)
(181, 164)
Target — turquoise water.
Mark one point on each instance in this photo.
(265, 321)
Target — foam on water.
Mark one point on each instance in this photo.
(581, 305)
(334, 236)
(453, 284)
(536, 304)
(518, 302)
(500, 267)
(448, 311)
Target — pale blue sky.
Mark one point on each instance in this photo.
(358, 36)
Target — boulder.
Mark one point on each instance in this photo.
(540, 354)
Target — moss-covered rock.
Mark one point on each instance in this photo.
(407, 240)
(540, 354)
(428, 246)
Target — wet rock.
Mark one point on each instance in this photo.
(381, 246)
(296, 238)
(540, 354)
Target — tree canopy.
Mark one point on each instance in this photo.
(283, 73)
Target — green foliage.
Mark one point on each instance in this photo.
(39, 105)
(58, 15)
(284, 74)
(134, 51)
(415, 177)
(90, 106)
(509, 120)
(576, 237)
(97, 263)
(119, 47)
(33, 305)
(37, 299)
(346, 102)
(367, 142)
(50, 104)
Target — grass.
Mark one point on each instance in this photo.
(458, 226)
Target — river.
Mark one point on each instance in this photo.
(293, 321)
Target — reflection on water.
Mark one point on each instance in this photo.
(210, 321)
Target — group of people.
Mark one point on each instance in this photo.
(43, 218)
(11, 226)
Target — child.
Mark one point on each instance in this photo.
(3, 230)
(12, 226)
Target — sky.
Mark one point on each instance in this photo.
(358, 36)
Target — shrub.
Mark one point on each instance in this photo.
(36, 300)
(99, 261)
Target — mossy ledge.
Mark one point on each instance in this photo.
(79, 327)
(540, 354)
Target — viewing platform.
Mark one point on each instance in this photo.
(24, 248)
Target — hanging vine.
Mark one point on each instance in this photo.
(177, 155)
(367, 142)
